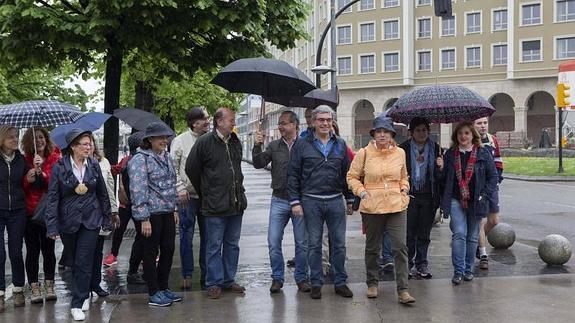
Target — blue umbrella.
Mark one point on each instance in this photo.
(90, 121)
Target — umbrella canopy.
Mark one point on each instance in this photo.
(311, 99)
(38, 113)
(263, 76)
(441, 104)
(91, 121)
(136, 118)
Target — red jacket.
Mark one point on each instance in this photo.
(35, 192)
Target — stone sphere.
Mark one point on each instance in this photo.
(502, 236)
(555, 249)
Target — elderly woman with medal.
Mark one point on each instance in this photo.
(78, 206)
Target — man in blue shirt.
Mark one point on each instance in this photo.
(317, 186)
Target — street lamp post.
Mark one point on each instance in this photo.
(319, 68)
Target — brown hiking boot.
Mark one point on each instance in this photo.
(235, 288)
(36, 293)
(304, 287)
(372, 292)
(405, 298)
(19, 299)
(2, 304)
(50, 291)
(276, 286)
(214, 292)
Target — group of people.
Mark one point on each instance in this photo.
(315, 181)
(46, 194)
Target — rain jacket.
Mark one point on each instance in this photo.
(35, 191)
(383, 174)
(12, 177)
(152, 184)
(180, 149)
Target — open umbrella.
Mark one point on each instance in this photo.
(311, 99)
(263, 76)
(90, 121)
(441, 104)
(38, 113)
(136, 118)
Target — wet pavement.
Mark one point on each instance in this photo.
(518, 287)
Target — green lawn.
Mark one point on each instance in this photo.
(538, 166)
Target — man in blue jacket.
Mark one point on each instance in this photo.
(316, 183)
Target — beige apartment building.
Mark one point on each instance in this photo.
(506, 50)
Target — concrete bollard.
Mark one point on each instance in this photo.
(502, 236)
(554, 249)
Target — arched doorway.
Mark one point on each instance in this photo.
(504, 117)
(540, 115)
(363, 112)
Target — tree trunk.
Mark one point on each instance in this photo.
(112, 102)
(145, 99)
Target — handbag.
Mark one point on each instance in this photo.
(40, 211)
(357, 199)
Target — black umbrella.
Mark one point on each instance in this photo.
(263, 76)
(136, 118)
(441, 104)
(312, 99)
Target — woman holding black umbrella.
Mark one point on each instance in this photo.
(470, 178)
(13, 171)
(40, 154)
(78, 207)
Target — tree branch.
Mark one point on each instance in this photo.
(46, 4)
(71, 7)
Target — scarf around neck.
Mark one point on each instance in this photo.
(464, 179)
(420, 169)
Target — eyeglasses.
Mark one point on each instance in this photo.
(86, 145)
(322, 120)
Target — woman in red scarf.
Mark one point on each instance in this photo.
(470, 178)
(40, 154)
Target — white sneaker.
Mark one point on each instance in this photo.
(77, 314)
(94, 296)
(86, 305)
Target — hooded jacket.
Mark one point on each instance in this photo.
(12, 176)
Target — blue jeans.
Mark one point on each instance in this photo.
(222, 249)
(332, 212)
(15, 223)
(187, 226)
(280, 214)
(386, 251)
(464, 238)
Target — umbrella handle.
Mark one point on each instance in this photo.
(34, 139)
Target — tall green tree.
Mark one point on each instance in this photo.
(41, 84)
(184, 35)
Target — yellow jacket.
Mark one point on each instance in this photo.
(383, 174)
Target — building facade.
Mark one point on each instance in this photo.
(506, 50)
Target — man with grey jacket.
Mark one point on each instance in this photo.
(189, 203)
(278, 153)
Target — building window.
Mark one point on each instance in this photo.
(390, 3)
(424, 28)
(531, 51)
(500, 55)
(473, 57)
(367, 32)
(367, 64)
(565, 10)
(391, 29)
(566, 47)
(341, 3)
(344, 65)
(343, 35)
(391, 62)
(423, 2)
(366, 4)
(424, 61)
(473, 22)
(448, 59)
(531, 14)
(500, 20)
(448, 26)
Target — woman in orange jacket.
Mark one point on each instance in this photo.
(378, 175)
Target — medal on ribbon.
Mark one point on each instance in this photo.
(81, 189)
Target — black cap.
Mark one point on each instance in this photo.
(73, 134)
(382, 122)
(157, 129)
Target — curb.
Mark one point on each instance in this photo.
(539, 178)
